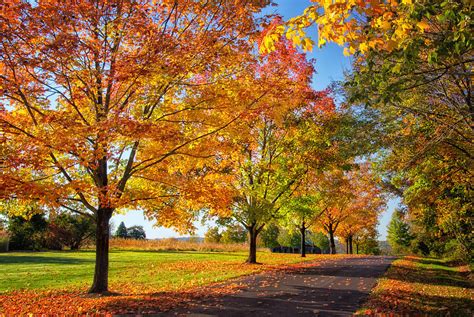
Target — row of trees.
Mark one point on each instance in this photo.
(274, 236)
(412, 85)
(133, 232)
(168, 108)
(55, 233)
(343, 204)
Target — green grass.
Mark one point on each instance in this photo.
(130, 271)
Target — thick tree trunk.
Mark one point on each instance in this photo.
(303, 240)
(332, 244)
(252, 244)
(357, 248)
(101, 273)
(350, 245)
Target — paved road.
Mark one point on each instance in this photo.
(331, 288)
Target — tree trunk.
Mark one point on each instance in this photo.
(303, 240)
(357, 248)
(350, 245)
(101, 273)
(332, 244)
(347, 245)
(252, 244)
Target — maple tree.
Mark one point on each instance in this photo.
(349, 202)
(382, 26)
(110, 105)
(269, 163)
(320, 136)
(412, 72)
(301, 214)
(365, 207)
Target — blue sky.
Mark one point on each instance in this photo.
(330, 66)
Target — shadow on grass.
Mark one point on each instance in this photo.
(413, 303)
(434, 261)
(434, 276)
(38, 259)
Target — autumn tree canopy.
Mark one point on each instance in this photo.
(112, 105)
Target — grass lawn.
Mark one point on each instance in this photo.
(423, 286)
(48, 282)
(157, 270)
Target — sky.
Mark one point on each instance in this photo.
(330, 66)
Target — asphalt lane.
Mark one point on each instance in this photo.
(330, 288)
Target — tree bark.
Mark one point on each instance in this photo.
(332, 244)
(101, 273)
(303, 240)
(252, 258)
(350, 245)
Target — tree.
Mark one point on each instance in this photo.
(269, 235)
(349, 200)
(71, 230)
(136, 232)
(393, 26)
(100, 117)
(289, 238)
(234, 233)
(121, 231)
(412, 75)
(399, 235)
(334, 198)
(301, 214)
(366, 241)
(320, 240)
(28, 234)
(264, 173)
(213, 235)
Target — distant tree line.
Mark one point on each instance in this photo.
(279, 236)
(134, 232)
(56, 232)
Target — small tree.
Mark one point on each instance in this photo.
(320, 240)
(213, 235)
(71, 230)
(136, 232)
(269, 236)
(121, 231)
(289, 238)
(399, 236)
(234, 234)
(28, 234)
